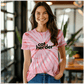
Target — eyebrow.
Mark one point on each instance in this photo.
(38, 11)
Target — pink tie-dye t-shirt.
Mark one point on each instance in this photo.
(44, 55)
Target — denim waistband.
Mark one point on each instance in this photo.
(43, 78)
(43, 73)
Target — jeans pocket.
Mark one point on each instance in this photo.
(32, 80)
(37, 78)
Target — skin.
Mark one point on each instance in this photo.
(42, 18)
(27, 62)
(62, 63)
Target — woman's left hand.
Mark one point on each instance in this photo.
(58, 76)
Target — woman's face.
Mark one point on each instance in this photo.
(41, 15)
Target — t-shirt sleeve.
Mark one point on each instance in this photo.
(60, 39)
(25, 42)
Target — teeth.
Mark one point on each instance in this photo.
(42, 20)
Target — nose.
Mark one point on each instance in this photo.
(41, 16)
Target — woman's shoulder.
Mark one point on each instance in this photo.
(59, 30)
(60, 33)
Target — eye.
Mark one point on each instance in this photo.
(45, 12)
(38, 13)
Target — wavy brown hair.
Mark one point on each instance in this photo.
(51, 25)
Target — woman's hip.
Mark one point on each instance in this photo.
(43, 78)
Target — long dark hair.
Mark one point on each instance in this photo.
(51, 25)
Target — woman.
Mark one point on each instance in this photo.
(41, 46)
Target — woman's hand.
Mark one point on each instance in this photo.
(58, 76)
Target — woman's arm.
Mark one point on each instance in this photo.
(62, 63)
(27, 61)
(63, 57)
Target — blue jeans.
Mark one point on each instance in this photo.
(44, 78)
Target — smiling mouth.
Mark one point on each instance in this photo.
(42, 19)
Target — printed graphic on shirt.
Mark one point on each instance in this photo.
(43, 45)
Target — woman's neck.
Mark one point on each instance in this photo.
(41, 28)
